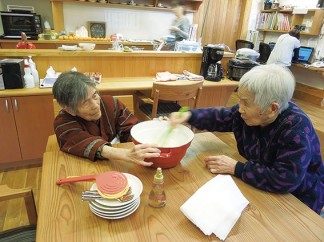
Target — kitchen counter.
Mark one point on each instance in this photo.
(113, 63)
(128, 85)
(41, 52)
(54, 44)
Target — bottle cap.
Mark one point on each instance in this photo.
(158, 177)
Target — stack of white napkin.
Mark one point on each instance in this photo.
(192, 77)
(165, 76)
(216, 206)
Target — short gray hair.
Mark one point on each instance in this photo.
(269, 83)
(71, 88)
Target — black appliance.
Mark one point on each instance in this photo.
(12, 73)
(320, 4)
(14, 23)
(265, 51)
(211, 68)
(238, 67)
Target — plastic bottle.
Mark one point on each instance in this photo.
(29, 80)
(34, 71)
(157, 197)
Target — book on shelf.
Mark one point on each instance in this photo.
(273, 21)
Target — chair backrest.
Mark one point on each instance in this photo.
(57, 107)
(264, 50)
(176, 91)
(26, 193)
(24, 232)
(243, 44)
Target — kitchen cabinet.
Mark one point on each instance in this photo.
(25, 124)
(283, 20)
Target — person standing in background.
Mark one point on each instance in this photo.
(286, 49)
(180, 26)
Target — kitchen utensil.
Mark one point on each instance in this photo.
(137, 188)
(123, 198)
(112, 184)
(173, 151)
(166, 135)
(94, 195)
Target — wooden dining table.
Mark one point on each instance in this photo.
(63, 216)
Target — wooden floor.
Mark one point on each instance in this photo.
(13, 213)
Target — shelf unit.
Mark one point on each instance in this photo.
(57, 7)
(268, 21)
(159, 5)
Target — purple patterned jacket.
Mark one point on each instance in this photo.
(282, 157)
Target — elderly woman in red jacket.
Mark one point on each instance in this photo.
(89, 123)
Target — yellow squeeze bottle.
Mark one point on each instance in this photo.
(157, 197)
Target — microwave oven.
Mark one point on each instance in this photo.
(14, 23)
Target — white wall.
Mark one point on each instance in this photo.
(299, 3)
(132, 23)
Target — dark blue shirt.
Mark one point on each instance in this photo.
(281, 157)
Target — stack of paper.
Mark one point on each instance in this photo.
(216, 206)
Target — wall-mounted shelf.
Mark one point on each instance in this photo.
(280, 21)
(155, 5)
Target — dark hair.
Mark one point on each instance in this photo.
(295, 33)
(71, 88)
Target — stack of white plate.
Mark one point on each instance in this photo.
(113, 209)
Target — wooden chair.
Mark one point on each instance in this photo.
(167, 97)
(23, 233)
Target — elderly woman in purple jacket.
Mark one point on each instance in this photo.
(273, 134)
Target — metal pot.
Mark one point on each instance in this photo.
(173, 142)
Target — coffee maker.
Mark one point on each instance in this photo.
(211, 68)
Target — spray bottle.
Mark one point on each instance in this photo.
(29, 80)
(34, 71)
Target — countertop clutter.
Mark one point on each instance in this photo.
(101, 44)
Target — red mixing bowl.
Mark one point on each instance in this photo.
(172, 143)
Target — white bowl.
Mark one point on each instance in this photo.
(87, 46)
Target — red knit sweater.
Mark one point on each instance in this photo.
(83, 138)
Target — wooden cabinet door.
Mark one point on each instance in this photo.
(9, 143)
(34, 121)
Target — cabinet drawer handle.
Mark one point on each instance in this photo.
(7, 106)
(16, 105)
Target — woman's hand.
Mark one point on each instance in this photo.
(179, 117)
(220, 164)
(137, 154)
(141, 151)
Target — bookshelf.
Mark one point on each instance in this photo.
(283, 20)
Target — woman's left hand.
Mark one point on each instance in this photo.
(220, 164)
